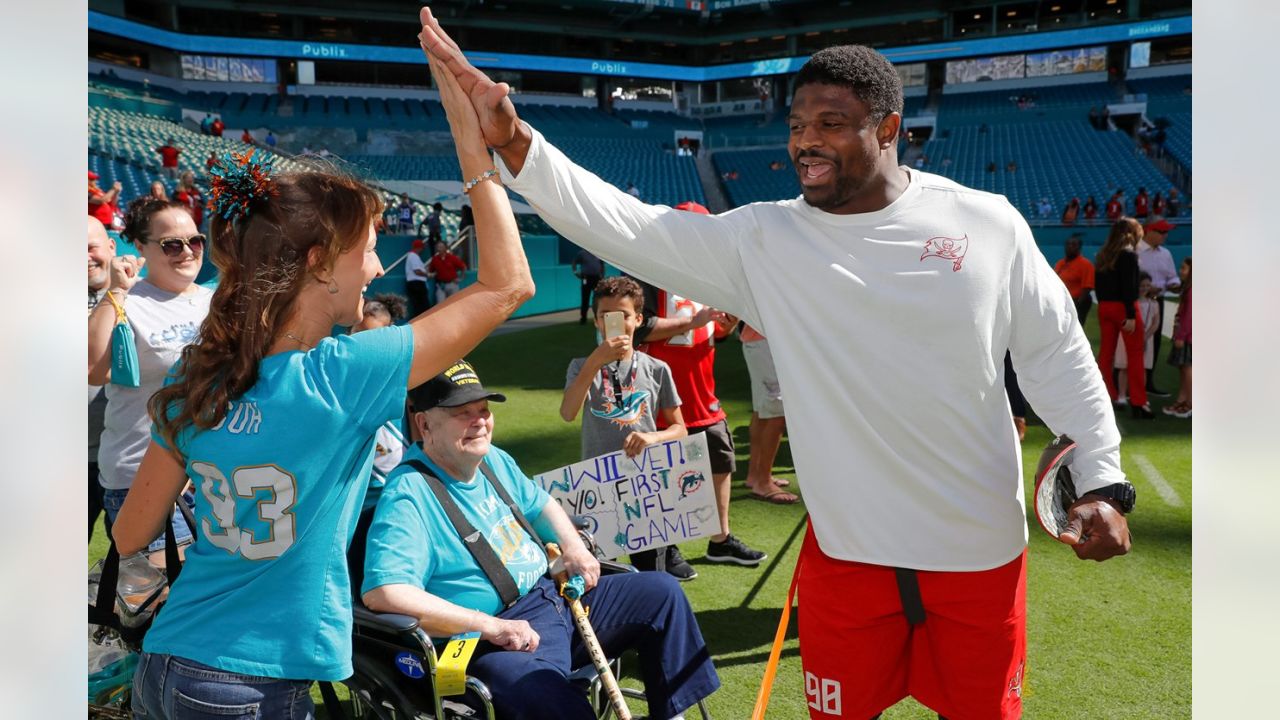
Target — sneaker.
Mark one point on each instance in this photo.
(733, 550)
(1173, 409)
(1184, 412)
(678, 566)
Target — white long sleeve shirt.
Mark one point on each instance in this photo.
(888, 330)
(1158, 263)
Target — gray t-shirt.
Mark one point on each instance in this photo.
(163, 323)
(606, 422)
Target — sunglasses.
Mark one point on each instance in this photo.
(173, 247)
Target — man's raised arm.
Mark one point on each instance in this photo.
(693, 255)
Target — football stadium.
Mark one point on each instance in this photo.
(344, 256)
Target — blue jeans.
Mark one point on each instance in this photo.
(113, 500)
(645, 611)
(172, 688)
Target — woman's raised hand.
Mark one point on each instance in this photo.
(492, 106)
(460, 112)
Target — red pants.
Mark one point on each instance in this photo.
(966, 661)
(1110, 318)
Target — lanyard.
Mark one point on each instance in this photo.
(620, 400)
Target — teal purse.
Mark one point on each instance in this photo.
(124, 352)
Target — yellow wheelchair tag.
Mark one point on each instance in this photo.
(451, 665)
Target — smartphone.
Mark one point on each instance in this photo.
(614, 325)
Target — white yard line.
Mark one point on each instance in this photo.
(1163, 489)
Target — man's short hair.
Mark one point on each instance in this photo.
(619, 286)
(867, 73)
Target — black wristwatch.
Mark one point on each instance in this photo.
(1123, 493)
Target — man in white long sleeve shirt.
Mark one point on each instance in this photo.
(890, 312)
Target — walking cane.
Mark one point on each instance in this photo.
(572, 590)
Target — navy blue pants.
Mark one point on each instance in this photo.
(645, 611)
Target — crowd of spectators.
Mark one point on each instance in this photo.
(1133, 277)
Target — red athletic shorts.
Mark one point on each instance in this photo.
(966, 661)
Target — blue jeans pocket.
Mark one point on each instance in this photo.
(185, 708)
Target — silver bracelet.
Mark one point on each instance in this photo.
(466, 187)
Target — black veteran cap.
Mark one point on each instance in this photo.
(457, 385)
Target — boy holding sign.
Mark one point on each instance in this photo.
(621, 392)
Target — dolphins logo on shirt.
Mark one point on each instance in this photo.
(629, 412)
(947, 248)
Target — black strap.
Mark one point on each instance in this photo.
(501, 489)
(332, 707)
(172, 563)
(188, 516)
(909, 593)
(103, 609)
(477, 544)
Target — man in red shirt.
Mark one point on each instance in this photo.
(1115, 206)
(682, 333)
(1077, 274)
(247, 137)
(169, 158)
(102, 204)
(445, 267)
(1141, 204)
(217, 127)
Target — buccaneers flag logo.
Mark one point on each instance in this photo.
(952, 249)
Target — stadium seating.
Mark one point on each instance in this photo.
(1056, 160)
(1063, 102)
(1169, 99)
(661, 176)
(1178, 137)
(1165, 95)
(122, 147)
(756, 182)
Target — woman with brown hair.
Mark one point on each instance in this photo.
(1116, 285)
(274, 422)
(164, 311)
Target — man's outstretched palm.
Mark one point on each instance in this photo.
(496, 113)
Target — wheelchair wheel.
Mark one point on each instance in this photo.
(375, 693)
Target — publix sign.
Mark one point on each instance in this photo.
(314, 50)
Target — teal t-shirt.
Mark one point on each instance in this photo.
(412, 542)
(278, 488)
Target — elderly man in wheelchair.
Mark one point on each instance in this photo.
(454, 543)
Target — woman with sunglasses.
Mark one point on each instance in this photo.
(165, 310)
(274, 420)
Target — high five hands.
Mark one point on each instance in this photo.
(496, 113)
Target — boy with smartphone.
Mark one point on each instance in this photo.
(622, 392)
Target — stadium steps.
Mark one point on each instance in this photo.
(711, 187)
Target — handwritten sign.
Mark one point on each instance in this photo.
(662, 496)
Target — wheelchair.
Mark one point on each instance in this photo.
(394, 662)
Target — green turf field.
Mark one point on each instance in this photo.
(1110, 640)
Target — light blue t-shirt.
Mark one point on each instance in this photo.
(412, 542)
(278, 487)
